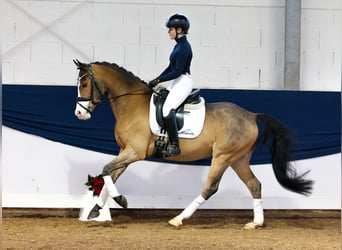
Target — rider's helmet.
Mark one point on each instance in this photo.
(178, 21)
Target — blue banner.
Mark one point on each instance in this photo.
(48, 111)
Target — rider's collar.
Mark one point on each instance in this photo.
(182, 38)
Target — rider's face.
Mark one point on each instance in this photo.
(172, 33)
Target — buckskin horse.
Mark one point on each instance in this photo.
(229, 136)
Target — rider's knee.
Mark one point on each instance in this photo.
(166, 110)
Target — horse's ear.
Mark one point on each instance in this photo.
(79, 64)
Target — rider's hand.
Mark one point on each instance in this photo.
(153, 83)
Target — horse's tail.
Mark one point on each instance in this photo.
(281, 142)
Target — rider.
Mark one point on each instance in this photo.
(176, 78)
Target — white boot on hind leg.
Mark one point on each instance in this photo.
(258, 215)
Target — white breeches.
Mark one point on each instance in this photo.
(180, 88)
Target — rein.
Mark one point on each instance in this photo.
(128, 93)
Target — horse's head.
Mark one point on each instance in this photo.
(101, 81)
(89, 92)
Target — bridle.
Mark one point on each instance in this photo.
(103, 97)
(93, 86)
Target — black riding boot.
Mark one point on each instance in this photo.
(171, 128)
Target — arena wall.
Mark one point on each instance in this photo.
(236, 44)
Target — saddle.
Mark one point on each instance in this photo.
(190, 117)
(158, 100)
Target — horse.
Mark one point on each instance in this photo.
(229, 136)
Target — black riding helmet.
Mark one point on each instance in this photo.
(178, 21)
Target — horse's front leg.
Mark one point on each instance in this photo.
(111, 173)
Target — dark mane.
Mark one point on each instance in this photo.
(120, 69)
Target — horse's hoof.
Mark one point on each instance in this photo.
(121, 200)
(251, 225)
(176, 221)
(94, 212)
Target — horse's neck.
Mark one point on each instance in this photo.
(128, 101)
(127, 94)
(130, 106)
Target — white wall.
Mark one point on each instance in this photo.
(321, 43)
(42, 173)
(236, 44)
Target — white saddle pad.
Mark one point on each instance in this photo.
(194, 115)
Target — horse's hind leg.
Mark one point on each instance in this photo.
(245, 173)
(218, 166)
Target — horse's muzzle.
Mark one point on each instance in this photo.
(81, 116)
(84, 109)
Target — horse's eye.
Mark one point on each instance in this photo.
(84, 85)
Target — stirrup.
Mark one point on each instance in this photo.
(172, 150)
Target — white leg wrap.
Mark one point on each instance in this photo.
(102, 198)
(258, 212)
(112, 190)
(187, 212)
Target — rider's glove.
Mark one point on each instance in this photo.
(153, 83)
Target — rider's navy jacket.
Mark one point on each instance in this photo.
(180, 60)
